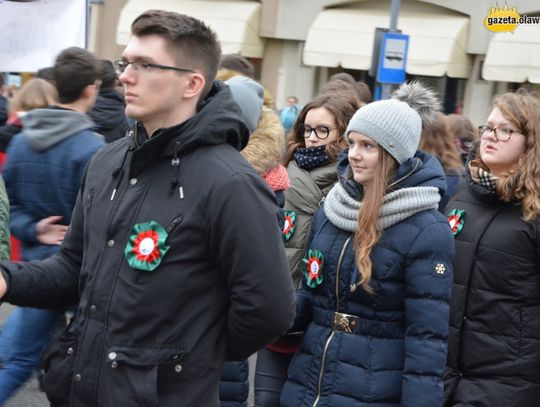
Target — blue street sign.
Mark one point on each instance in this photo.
(393, 58)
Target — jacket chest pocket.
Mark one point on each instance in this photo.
(136, 372)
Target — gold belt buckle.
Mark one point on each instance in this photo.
(344, 322)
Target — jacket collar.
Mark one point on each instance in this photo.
(218, 120)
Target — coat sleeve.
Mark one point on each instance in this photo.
(50, 283)
(5, 244)
(428, 284)
(247, 243)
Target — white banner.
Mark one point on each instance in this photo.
(33, 32)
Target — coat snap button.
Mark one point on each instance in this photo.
(112, 355)
(92, 308)
(110, 243)
(69, 351)
(178, 368)
(133, 181)
(114, 364)
(77, 377)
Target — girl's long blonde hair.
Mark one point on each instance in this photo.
(368, 230)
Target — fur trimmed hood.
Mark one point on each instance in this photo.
(266, 144)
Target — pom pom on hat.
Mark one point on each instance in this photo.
(422, 99)
(396, 125)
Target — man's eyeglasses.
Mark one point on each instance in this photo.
(321, 132)
(145, 67)
(501, 133)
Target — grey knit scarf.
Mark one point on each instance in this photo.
(342, 210)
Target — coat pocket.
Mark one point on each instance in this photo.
(58, 362)
(134, 371)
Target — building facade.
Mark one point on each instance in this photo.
(297, 44)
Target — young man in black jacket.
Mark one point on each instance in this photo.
(173, 252)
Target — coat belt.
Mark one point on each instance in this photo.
(353, 324)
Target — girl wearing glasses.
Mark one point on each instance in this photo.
(494, 340)
(378, 272)
(314, 144)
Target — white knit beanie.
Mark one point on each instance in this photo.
(393, 124)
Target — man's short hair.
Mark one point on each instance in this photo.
(193, 43)
(46, 73)
(108, 74)
(238, 63)
(75, 68)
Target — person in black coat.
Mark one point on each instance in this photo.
(494, 338)
(173, 252)
(109, 111)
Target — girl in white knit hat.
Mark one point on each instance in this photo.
(378, 271)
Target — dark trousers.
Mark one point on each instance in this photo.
(270, 375)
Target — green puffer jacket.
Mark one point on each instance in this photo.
(5, 245)
(306, 191)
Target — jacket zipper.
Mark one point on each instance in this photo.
(405, 176)
(327, 344)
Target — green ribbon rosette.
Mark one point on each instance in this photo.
(146, 246)
(314, 264)
(455, 219)
(289, 225)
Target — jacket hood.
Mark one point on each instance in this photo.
(422, 170)
(45, 128)
(266, 145)
(109, 110)
(218, 120)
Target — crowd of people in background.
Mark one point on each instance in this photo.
(178, 216)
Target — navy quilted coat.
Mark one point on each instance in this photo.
(396, 353)
(44, 170)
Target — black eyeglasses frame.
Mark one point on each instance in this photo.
(307, 130)
(120, 66)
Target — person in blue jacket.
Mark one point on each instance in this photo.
(374, 302)
(43, 172)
